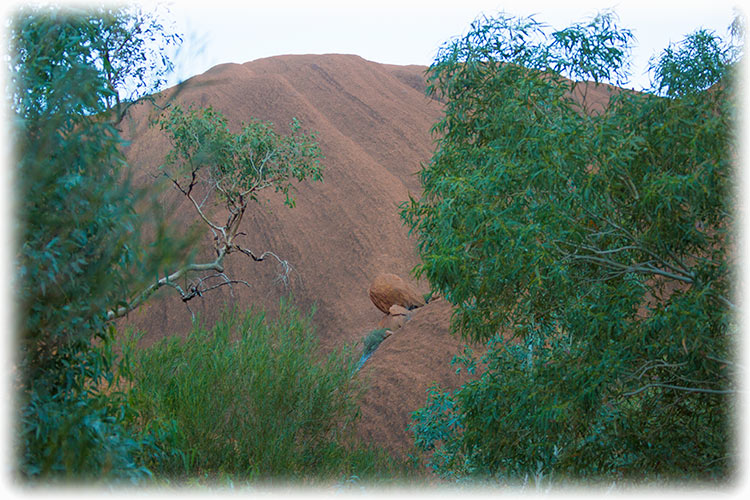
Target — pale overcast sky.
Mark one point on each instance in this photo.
(407, 31)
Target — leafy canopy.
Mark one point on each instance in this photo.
(584, 233)
(115, 55)
(212, 167)
(80, 248)
(237, 165)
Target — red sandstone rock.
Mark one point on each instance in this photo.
(392, 322)
(388, 289)
(397, 310)
(343, 230)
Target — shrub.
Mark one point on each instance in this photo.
(253, 398)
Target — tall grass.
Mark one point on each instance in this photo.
(253, 397)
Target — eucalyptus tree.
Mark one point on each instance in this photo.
(79, 245)
(211, 166)
(592, 248)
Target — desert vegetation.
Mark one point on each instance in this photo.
(585, 243)
(602, 240)
(372, 340)
(250, 400)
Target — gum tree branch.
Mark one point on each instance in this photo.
(202, 141)
(680, 388)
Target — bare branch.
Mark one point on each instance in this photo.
(203, 216)
(679, 261)
(642, 267)
(596, 250)
(679, 268)
(196, 290)
(169, 280)
(261, 185)
(724, 361)
(656, 363)
(680, 388)
(188, 194)
(208, 193)
(227, 163)
(192, 314)
(287, 268)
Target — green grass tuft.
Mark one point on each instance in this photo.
(372, 340)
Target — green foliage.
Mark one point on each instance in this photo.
(83, 258)
(79, 239)
(693, 65)
(209, 162)
(600, 239)
(238, 165)
(253, 398)
(79, 432)
(119, 52)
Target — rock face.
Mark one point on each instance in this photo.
(396, 318)
(372, 122)
(401, 371)
(393, 323)
(397, 310)
(388, 290)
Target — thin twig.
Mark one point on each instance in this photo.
(656, 363)
(680, 388)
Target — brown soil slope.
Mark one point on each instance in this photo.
(372, 122)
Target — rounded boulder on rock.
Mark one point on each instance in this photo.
(389, 289)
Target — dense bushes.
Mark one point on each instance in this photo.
(259, 404)
(372, 340)
(79, 247)
(251, 397)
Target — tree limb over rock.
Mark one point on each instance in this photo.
(208, 161)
